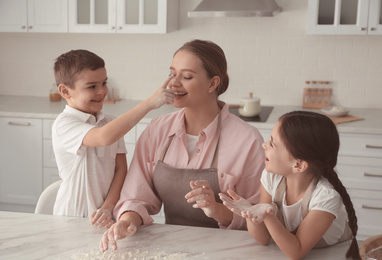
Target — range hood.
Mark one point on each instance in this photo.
(235, 8)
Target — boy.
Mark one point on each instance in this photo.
(88, 145)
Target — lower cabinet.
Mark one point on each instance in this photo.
(360, 170)
(20, 163)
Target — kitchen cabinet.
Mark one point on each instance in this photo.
(360, 170)
(33, 16)
(127, 16)
(353, 17)
(20, 163)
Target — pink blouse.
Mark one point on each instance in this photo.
(240, 161)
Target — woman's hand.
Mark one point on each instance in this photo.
(119, 230)
(162, 96)
(204, 197)
(102, 218)
(234, 202)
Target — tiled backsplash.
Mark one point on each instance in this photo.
(269, 56)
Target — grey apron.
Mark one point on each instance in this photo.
(304, 209)
(172, 184)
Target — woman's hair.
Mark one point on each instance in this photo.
(213, 60)
(70, 64)
(314, 138)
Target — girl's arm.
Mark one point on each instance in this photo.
(310, 231)
(117, 128)
(259, 231)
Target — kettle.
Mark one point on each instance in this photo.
(250, 106)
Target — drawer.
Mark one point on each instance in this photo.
(361, 145)
(369, 215)
(47, 128)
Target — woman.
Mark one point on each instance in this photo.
(184, 159)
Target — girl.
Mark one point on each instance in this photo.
(303, 203)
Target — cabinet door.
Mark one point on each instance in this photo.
(94, 16)
(20, 160)
(47, 16)
(13, 16)
(338, 16)
(141, 16)
(375, 17)
(33, 16)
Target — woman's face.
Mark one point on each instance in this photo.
(191, 83)
(278, 160)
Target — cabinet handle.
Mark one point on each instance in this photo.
(112, 28)
(30, 27)
(363, 28)
(373, 29)
(23, 27)
(119, 27)
(19, 123)
(372, 175)
(370, 207)
(373, 146)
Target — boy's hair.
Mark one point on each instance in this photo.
(314, 138)
(70, 64)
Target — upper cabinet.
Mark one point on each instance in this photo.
(352, 17)
(123, 16)
(33, 16)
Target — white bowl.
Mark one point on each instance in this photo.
(335, 111)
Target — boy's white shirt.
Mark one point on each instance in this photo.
(324, 198)
(87, 172)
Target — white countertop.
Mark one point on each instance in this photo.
(40, 107)
(31, 236)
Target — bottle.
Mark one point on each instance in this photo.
(54, 95)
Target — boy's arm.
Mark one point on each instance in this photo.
(117, 183)
(113, 194)
(117, 128)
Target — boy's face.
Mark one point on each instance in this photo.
(89, 92)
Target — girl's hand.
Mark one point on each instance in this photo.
(102, 218)
(162, 96)
(235, 203)
(259, 212)
(204, 197)
(119, 230)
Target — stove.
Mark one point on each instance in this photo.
(262, 117)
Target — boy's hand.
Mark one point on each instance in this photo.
(162, 96)
(101, 218)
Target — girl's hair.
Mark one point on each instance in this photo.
(213, 60)
(313, 138)
(70, 64)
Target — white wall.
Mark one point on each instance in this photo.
(271, 57)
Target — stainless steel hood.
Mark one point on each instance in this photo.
(235, 8)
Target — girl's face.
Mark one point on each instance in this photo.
(278, 160)
(191, 84)
(89, 92)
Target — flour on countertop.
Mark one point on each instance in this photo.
(140, 250)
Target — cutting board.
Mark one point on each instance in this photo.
(344, 119)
